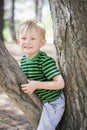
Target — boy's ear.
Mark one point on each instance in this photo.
(17, 40)
(43, 42)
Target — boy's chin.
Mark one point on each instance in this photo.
(26, 51)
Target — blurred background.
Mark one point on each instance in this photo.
(18, 11)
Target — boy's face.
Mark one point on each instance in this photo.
(31, 42)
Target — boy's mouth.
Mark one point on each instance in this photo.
(29, 47)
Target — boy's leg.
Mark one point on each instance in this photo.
(56, 110)
(52, 114)
(44, 123)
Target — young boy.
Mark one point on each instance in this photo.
(45, 78)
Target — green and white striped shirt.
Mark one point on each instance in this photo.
(41, 68)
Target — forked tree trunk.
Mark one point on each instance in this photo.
(70, 37)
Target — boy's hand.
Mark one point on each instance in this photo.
(30, 87)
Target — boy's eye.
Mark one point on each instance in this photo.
(23, 38)
(32, 38)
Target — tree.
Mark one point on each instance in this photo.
(11, 80)
(11, 20)
(70, 37)
(70, 30)
(1, 18)
(38, 9)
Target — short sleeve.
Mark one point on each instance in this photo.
(49, 68)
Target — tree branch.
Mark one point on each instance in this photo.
(11, 77)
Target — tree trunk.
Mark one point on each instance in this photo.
(11, 21)
(38, 9)
(70, 38)
(11, 77)
(1, 18)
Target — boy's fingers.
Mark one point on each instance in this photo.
(23, 88)
(28, 80)
(23, 85)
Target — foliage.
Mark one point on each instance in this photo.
(25, 10)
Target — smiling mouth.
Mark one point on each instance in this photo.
(28, 47)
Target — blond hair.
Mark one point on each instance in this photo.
(30, 24)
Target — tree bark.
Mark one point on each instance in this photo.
(11, 77)
(70, 38)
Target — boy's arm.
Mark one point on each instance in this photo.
(56, 84)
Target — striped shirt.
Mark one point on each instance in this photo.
(41, 68)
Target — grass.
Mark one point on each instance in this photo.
(5, 120)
